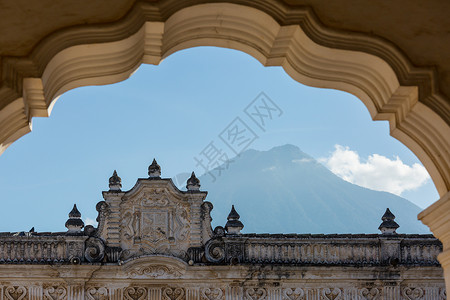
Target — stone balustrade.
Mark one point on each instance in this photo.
(343, 249)
(32, 249)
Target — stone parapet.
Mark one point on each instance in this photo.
(34, 249)
(332, 249)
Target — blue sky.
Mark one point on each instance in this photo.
(172, 112)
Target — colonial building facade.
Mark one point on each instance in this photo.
(156, 242)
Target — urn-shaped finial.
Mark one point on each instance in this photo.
(388, 226)
(74, 224)
(115, 182)
(193, 183)
(233, 226)
(154, 170)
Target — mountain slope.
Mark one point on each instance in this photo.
(284, 190)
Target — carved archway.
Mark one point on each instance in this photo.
(308, 52)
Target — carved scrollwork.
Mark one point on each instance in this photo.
(55, 293)
(331, 294)
(211, 294)
(150, 199)
(15, 293)
(412, 293)
(370, 294)
(135, 293)
(255, 294)
(95, 250)
(103, 211)
(174, 294)
(293, 294)
(154, 271)
(214, 251)
(97, 293)
(443, 294)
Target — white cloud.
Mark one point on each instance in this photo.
(378, 172)
(89, 221)
(302, 160)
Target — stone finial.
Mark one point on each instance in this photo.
(233, 226)
(154, 170)
(193, 183)
(388, 226)
(74, 224)
(115, 182)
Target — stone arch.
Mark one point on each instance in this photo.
(96, 60)
(370, 68)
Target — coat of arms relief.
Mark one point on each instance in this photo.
(155, 221)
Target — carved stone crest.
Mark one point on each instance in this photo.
(155, 221)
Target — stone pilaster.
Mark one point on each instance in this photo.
(75, 291)
(154, 294)
(234, 293)
(192, 293)
(111, 232)
(391, 291)
(116, 293)
(437, 218)
(34, 293)
(196, 226)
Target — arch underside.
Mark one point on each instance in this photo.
(107, 54)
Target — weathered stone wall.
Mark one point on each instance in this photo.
(156, 242)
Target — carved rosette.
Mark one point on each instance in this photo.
(293, 294)
(15, 292)
(174, 293)
(135, 293)
(211, 294)
(255, 293)
(55, 292)
(97, 293)
(370, 294)
(413, 293)
(331, 294)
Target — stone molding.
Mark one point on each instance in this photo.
(223, 291)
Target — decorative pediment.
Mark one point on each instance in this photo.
(154, 218)
(155, 267)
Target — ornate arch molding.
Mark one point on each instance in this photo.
(270, 32)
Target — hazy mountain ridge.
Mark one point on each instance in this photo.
(284, 190)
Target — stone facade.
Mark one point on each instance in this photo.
(156, 242)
